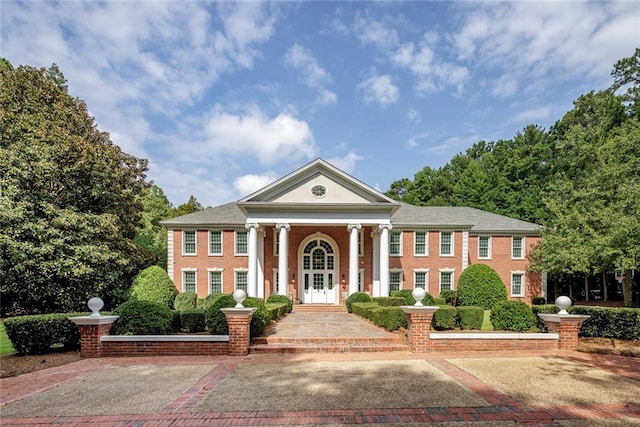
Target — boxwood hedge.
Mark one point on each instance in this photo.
(480, 285)
(43, 333)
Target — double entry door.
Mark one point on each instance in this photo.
(318, 273)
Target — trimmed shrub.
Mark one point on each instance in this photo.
(154, 284)
(609, 322)
(439, 301)
(546, 308)
(38, 334)
(208, 300)
(261, 318)
(276, 309)
(390, 318)
(143, 318)
(185, 301)
(214, 318)
(281, 299)
(480, 285)
(538, 300)
(389, 301)
(445, 318)
(450, 296)
(192, 320)
(176, 322)
(200, 303)
(356, 297)
(512, 316)
(470, 317)
(408, 296)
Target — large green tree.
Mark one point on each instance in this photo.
(153, 236)
(70, 200)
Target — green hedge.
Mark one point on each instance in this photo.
(154, 284)
(389, 301)
(445, 318)
(470, 317)
(440, 301)
(609, 322)
(281, 299)
(389, 318)
(143, 318)
(538, 300)
(185, 301)
(192, 320)
(277, 309)
(480, 285)
(356, 297)
(38, 334)
(407, 294)
(450, 296)
(216, 321)
(544, 309)
(512, 316)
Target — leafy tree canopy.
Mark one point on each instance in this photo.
(70, 200)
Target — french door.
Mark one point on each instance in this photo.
(318, 272)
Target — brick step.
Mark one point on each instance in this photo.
(326, 348)
(327, 341)
(315, 308)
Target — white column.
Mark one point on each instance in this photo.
(260, 269)
(353, 256)
(465, 248)
(375, 235)
(384, 259)
(253, 260)
(283, 262)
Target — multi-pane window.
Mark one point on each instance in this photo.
(215, 242)
(276, 243)
(189, 281)
(360, 243)
(188, 242)
(241, 243)
(215, 282)
(420, 246)
(446, 280)
(395, 245)
(420, 279)
(446, 243)
(241, 280)
(394, 280)
(517, 244)
(484, 247)
(360, 281)
(517, 284)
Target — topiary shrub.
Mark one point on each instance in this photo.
(512, 316)
(154, 284)
(440, 301)
(261, 318)
(38, 334)
(470, 317)
(480, 285)
(214, 318)
(185, 301)
(192, 320)
(450, 296)
(281, 298)
(389, 318)
(356, 297)
(389, 301)
(143, 318)
(445, 318)
(276, 309)
(538, 300)
(208, 300)
(407, 294)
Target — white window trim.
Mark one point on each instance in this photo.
(361, 242)
(195, 241)
(453, 238)
(426, 244)
(522, 251)
(221, 243)
(235, 276)
(453, 278)
(274, 283)
(400, 248)
(488, 247)
(235, 243)
(426, 277)
(189, 269)
(396, 270)
(216, 270)
(276, 241)
(522, 284)
(361, 282)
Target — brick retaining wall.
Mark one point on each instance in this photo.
(171, 345)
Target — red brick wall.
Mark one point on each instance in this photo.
(163, 348)
(445, 345)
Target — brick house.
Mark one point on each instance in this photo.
(334, 235)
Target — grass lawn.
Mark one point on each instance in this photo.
(5, 344)
(486, 323)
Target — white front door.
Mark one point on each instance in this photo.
(318, 272)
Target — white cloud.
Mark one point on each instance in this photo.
(505, 86)
(414, 141)
(414, 116)
(326, 97)
(380, 90)
(314, 75)
(532, 115)
(371, 31)
(248, 184)
(268, 139)
(346, 163)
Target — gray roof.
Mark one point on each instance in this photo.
(476, 220)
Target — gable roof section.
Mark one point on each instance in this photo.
(219, 216)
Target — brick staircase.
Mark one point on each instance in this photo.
(315, 308)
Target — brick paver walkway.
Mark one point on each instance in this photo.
(183, 411)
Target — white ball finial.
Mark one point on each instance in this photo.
(418, 295)
(239, 296)
(95, 304)
(563, 302)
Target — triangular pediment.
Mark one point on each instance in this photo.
(318, 183)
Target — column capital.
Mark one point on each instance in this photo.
(385, 226)
(352, 226)
(251, 225)
(284, 225)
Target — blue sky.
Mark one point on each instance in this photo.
(224, 97)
